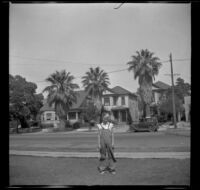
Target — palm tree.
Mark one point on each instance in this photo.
(140, 101)
(61, 93)
(145, 66)
(95, 82)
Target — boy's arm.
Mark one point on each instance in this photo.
(113, 143)
(99, 145)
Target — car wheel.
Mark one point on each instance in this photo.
(152, 129)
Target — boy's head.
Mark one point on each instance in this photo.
(106, 117)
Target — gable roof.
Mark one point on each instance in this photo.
(120, 90)
(81, 95)
(161, 85)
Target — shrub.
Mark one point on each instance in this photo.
(13, 124)
(68, 124)
(76, 125)
(46, 125)
(33, 123)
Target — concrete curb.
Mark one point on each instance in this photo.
(177, 155)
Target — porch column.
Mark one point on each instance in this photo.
(179, 116)
(126, 114)
(186, 115)
(120, 116)
(45, 116)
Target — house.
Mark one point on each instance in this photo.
(48, 113)
(118, 100)
(121, 103)
(158, 89)
(158, 92)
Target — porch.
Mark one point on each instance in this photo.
(120, 114)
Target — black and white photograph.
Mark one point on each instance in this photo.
(99, 94)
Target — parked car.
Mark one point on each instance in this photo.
(146, 124)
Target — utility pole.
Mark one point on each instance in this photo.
(173, 98)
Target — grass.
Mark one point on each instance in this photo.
(27, 170)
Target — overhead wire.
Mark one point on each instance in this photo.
(120, 70)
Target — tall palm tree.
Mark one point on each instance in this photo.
(61, 93)
(145, 67)
(95, 82)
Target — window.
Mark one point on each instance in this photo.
(106, 101)
(114, 100)
(48, 116)
(123, 100)
(72, 115)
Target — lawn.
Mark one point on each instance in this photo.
(28, 170)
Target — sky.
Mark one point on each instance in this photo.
(44, 38)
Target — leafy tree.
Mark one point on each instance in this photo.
(145, 67)
(182, 89)
(61, 93)
(23, 100)
(166, 105)
(95, 82)
(35, 104)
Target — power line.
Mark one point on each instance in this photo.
(82, 63)
(41, 59)
(82, 76)
(186, 59)
(123, 69)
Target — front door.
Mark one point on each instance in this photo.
(123, 115)
(115, 114)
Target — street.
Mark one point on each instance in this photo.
(84, 142)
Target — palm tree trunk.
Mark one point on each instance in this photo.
(62, 124)
(148, 110)
(144, 111)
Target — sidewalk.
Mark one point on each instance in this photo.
(177, 155)
(123, 129)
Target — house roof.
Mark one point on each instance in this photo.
(81, 95)
(120, 90)
(161, 85)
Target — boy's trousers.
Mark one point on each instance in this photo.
(107, 159)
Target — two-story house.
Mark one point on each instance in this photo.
(121, 103)
(158, 89)
(158, 92)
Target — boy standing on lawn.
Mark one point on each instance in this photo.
(106, 145)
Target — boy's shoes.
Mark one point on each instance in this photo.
(102, 172)
(112, 171)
